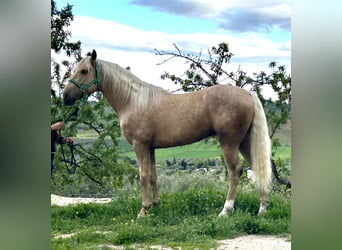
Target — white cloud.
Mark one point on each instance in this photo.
(232, 15)
(128, 46)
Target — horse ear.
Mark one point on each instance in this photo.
(93, 55)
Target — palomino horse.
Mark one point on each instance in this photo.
(151, 118)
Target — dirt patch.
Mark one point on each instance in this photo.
(66, 201)
(248, 242)
(256, 242)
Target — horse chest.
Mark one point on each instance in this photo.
(135, 129)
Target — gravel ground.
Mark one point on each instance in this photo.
(248, 242)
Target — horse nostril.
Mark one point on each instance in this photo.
(65, 97)
(68, 100)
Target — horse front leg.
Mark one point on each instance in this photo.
(144, 160)
(153, 179)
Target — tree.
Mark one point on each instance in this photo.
(59, 36)
(207, 70)
(60, 42)
(99, 165)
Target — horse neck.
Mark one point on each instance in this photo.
(107, 87)
(125, 91)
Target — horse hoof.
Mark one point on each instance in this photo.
(225, 213)
(261, 213)
(142, 213)
(139, 216)
(155, 203)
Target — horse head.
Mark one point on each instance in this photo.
(84, 81)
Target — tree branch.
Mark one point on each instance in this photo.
(275, 129)
(277, 176)
(92, 126)
(92, 178)
(196, 62)
(91, 154)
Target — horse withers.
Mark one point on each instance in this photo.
(151, 118)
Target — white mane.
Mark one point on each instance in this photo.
(127, 86)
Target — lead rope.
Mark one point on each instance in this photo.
(72, 161)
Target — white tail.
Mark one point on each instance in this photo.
(260, 147)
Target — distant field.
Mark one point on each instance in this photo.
(202, 150)
(198, 150)
(284, 134)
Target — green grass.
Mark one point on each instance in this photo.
(283, 152)
(187, 219)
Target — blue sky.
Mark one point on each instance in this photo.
(127, 31)
(138, 16)
(148, 15)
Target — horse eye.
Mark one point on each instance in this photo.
(84, 71)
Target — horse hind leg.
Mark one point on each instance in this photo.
(245, 149)
(231, 156)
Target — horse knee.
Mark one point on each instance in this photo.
(144, 179)
(153, 179)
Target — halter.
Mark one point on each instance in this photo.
(84, 87)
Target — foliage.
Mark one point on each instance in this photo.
(98, 161)
(60, 37)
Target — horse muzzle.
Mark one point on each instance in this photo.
(68, 99)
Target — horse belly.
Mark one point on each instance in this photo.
(181, 132)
